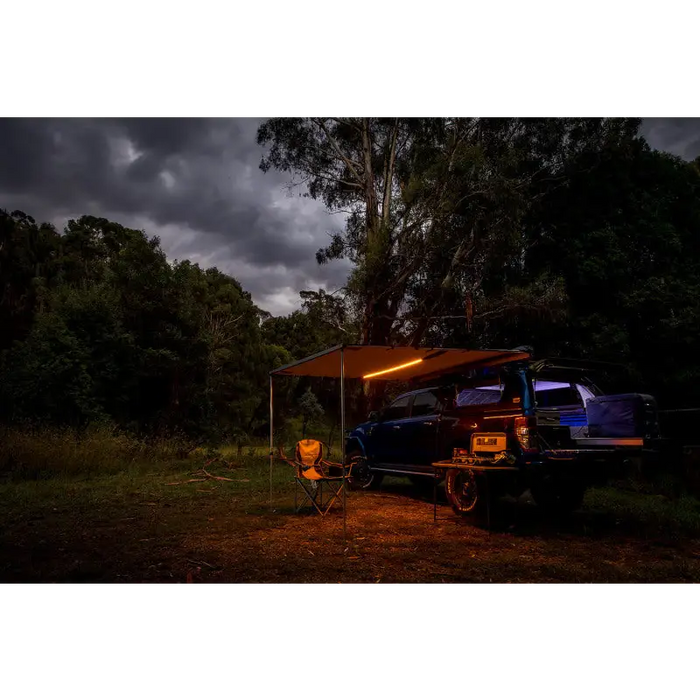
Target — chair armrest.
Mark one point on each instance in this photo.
(338, 465)
(326, 463)
(287, 460)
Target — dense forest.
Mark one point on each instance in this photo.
(572, 236)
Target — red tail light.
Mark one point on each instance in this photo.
(526, 433)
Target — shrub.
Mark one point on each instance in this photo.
(41, 453)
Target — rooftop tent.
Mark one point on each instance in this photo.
(384, 362)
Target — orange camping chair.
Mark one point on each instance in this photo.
(312, 470)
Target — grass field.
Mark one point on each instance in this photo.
(137, 517)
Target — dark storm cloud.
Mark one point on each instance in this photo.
(197, 185)
(193, 182)
(678, 136)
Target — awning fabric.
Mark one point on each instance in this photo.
(363, 360)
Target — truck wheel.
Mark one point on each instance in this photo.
(558, 498)
(475, 496)
(363, 477)
(463, 492)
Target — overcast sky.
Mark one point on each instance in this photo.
(196, 184)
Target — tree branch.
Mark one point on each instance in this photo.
(350, 163)
(389, 174)
(370, 194)
(346, 122)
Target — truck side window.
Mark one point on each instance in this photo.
(557, 396)
(425, 404)
(398, 409)
(479, 396)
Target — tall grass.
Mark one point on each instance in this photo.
(50, 452)
(652, 512)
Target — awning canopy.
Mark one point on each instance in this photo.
(394, 363)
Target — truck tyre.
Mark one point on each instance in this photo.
(363, 477)
(558, 498)
(463, 492)
(475, 496)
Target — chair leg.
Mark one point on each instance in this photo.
(337, 493)
(306, 496)
(312, 496)
(315, 496)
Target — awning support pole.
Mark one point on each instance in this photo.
(271, 441)
(342, 432)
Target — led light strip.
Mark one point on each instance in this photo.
(392, 369)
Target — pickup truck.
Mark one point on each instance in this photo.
(540, 426)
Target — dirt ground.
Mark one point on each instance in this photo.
(212, 533)
(392, 538)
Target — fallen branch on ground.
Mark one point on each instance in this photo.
(226, 463)
(188, 481)
(201, 475)
(198, 563)
(213, 476)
